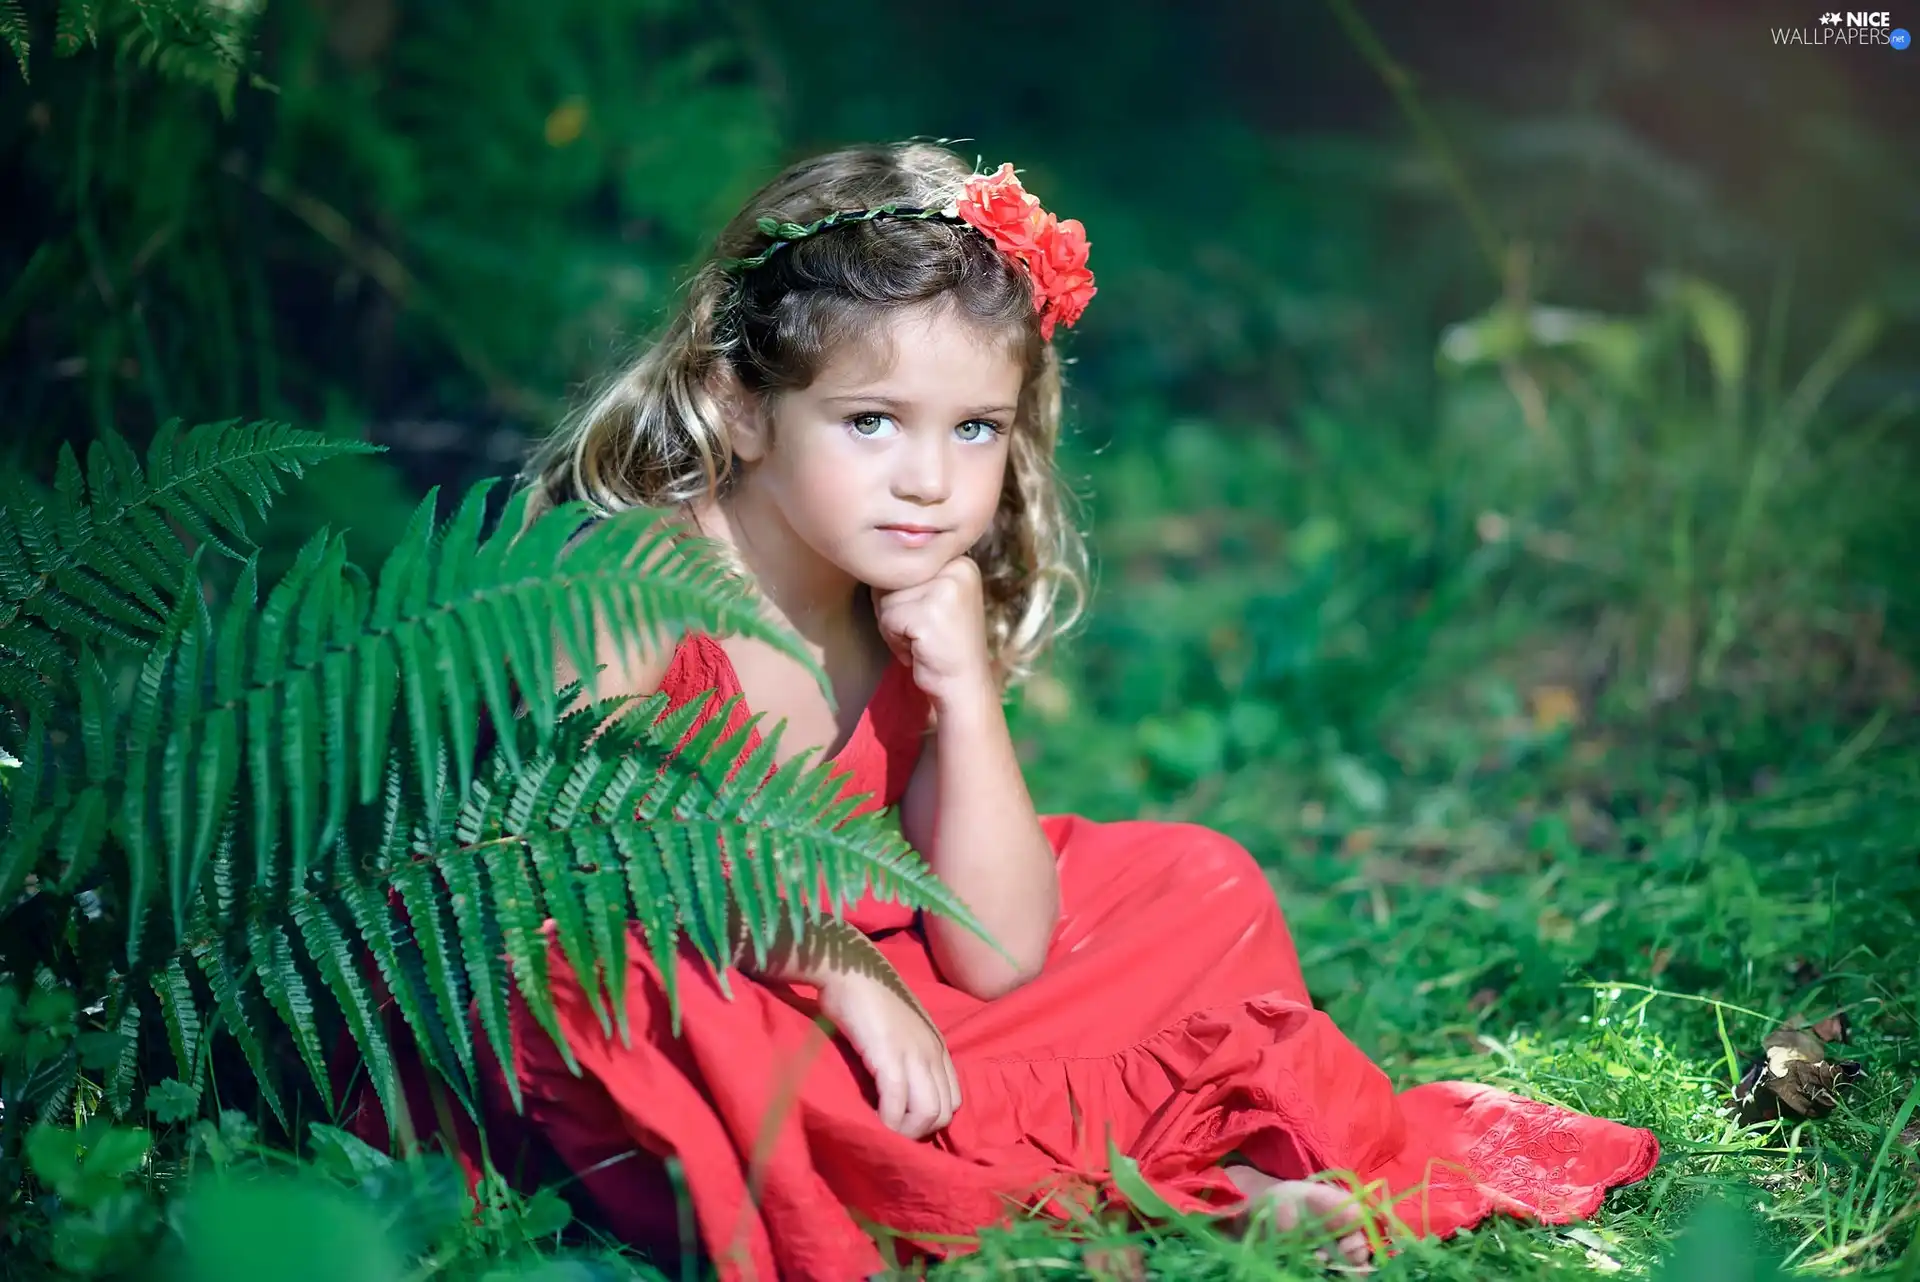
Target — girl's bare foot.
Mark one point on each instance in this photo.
(1306, 1203)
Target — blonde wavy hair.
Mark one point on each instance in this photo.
(657, 435)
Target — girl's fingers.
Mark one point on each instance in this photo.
(923, 1100)
(953, 1084)
(892, 1084)
(944, 1095)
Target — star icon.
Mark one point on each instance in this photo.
(1829, 19)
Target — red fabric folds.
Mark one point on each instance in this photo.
(1171, 1015)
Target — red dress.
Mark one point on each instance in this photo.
(1170, 1014)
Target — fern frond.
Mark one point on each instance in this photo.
(294, 779)
(120, 1076)
(74, 27)
(96, 559)
(695, 852)
(240, 1015)
(13, 27)
(286, 989)
(181, 1015)
(439, 961)
(481, 948)
(340, 970)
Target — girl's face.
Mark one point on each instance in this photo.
(890, 464)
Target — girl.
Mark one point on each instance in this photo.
(860, 398)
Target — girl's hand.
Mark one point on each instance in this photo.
(939, 629)
(919, 1090)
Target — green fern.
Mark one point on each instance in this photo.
(75, 26)
(282, 813)
(202, 42)
(100, 558)
(13, 26)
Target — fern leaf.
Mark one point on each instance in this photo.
(327, 946)
(240, 1015)
(336, 678)
(286, 989)
(36, 649)
(655, 908)
(423, 725)
(300, 738)
(175, 815)
(606, 906)
(20, 850)
(74, 27)
(22, 692)
(480, 949)
(110, 566)
(47, 1094)
(454, 576)
(304, 729)
(181, 1015)
(13, 26)
(456, 681)
(404, 566)
(373, 923)
(553, 865)
(99, 718)
(71, 518)
(217, 774)
(177, 778)
(83, 830)
(136, 828)
(24, 790)
(517, 908)
(120, 1076)
(264, 786)
(438, 961)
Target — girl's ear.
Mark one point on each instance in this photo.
(749, 426)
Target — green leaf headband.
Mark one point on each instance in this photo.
(1052, 252)
(785, 233)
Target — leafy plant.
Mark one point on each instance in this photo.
(251, 809)
(201, 42)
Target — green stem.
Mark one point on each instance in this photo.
(1401, 84)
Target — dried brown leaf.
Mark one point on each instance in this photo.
(1794, 1075)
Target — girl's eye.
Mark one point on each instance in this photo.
(873, 425)
(978, 429)
(870, 425)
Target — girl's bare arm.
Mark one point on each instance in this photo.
(968, 811)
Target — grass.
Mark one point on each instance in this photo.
(1523, 834)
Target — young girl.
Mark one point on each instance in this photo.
(860, 398)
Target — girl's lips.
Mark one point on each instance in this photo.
(912, 536)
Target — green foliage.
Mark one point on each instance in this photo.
(197, 42)
(230, 1205)
(277, 816)
(100, 559)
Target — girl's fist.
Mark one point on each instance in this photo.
(939, 629)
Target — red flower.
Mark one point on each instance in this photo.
(1054, 253)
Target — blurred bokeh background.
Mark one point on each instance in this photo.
(1497, 419)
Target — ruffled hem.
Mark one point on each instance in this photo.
(1255, 1077)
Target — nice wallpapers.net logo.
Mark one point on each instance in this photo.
(1851, 28)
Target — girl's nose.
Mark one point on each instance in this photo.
(924, 474)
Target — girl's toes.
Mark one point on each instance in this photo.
(1328, 1207)
(1356, 1250)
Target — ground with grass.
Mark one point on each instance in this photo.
(1514, 846)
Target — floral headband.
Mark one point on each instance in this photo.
(1051, 252)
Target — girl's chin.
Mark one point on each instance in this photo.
(897, 578)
